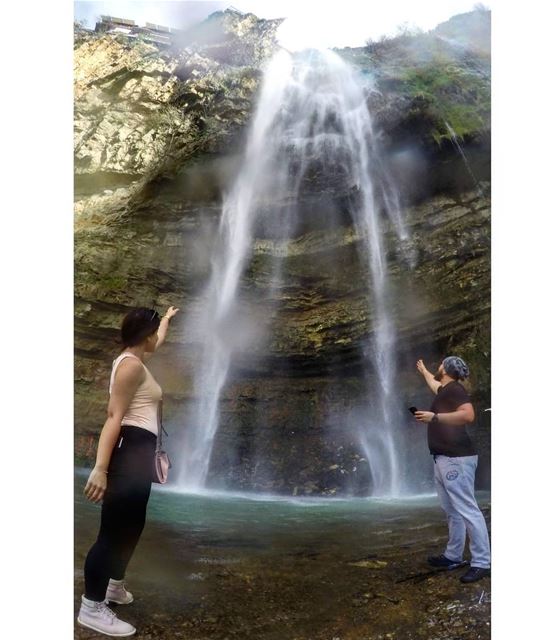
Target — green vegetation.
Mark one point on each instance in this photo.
(453, 94)
(444, 73)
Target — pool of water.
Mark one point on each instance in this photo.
(268, 520)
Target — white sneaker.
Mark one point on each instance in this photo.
(98, 616)
(117, 593)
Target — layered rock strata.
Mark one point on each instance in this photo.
(158, 137)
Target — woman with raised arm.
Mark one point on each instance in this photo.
(122, 476)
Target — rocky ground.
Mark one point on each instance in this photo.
(253, 574)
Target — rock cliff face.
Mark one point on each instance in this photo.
(158, 137)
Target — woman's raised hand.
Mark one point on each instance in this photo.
(96, 485)
(171, 312)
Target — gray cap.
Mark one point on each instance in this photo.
(456, 367)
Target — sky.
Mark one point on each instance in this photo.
(309, 23)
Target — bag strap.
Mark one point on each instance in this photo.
(160, 417)
(161, 428)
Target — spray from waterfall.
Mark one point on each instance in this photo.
(311, 123)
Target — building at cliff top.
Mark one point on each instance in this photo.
(150, 32)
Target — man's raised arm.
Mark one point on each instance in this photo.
(430, 380)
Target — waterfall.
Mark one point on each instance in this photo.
(311, 119)
(457, 145)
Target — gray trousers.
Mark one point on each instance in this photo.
(454, 479)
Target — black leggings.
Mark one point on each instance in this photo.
(123, 514)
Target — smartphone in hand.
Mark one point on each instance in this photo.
(412, 410)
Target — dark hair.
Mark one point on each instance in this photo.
(137, 325)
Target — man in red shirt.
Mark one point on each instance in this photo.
(455, 461)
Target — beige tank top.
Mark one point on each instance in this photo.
(143, 410)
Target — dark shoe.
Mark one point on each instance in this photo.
(474, 574)
(444, 563)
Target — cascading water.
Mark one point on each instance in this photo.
(457, 145)
(311, 119)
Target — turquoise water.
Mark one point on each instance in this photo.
(213, 509)
(272, 520)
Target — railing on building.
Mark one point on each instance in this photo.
(151, 32)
